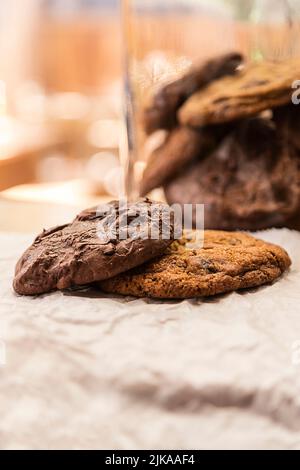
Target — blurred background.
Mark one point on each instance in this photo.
(61, 90)
(60, 101)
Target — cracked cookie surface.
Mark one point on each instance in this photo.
(258, 87)
(92, 248)
(224, 262)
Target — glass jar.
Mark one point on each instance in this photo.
(212, 108)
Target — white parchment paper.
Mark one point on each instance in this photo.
(94, 372)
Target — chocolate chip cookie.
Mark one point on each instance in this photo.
(225, 262)
(160, 113)
(259, 86)
(250, 182)
(100, 243)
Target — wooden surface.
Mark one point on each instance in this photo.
(19, 156)
(32, 217)
(32, 207)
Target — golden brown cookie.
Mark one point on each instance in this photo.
(226, 262)
(257, 87)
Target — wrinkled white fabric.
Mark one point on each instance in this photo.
(88, 372)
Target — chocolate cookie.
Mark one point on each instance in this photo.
(226, 262)
(183, 144)
(287, 119)
(257, 87)
(251, 182)
(161, 111)
(100, 243)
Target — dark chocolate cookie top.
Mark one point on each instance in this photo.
(100, 243)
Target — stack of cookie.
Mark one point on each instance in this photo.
(111, 247)
(232, 143)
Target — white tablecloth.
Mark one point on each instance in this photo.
(95, 372)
